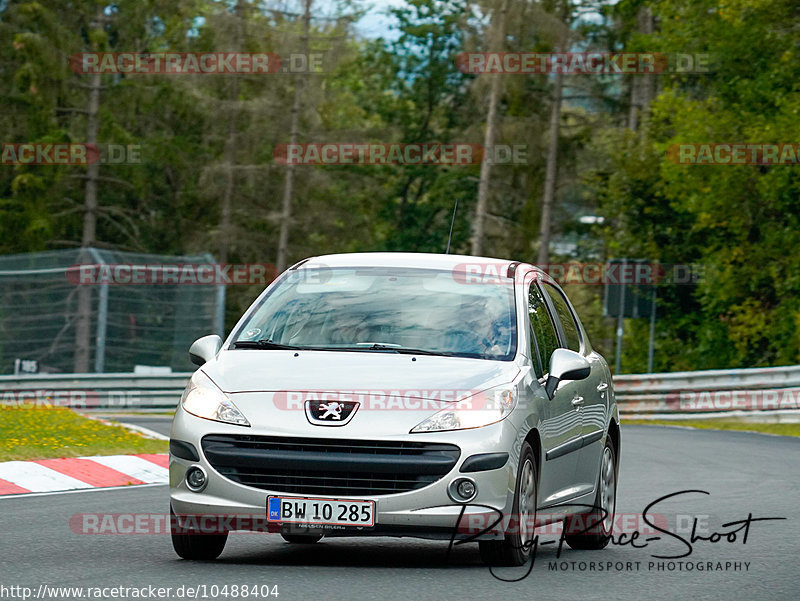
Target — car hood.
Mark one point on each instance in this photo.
(434, 378)
(395, 392)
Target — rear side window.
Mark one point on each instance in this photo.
(573, 339)
(545, 340)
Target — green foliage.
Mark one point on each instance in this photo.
(30, 432)
(739, 223)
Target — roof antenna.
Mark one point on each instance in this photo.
(452, 222)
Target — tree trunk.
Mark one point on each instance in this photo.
(649, 80)
(93, 169)
(633, 111)
(551, 170)
(496, 45)
(89, 238)
(226, 208)
(643, 87)
(294, 126)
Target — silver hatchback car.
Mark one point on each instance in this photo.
(398, 394)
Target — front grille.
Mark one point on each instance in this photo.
(314, 466)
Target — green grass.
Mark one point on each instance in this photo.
(723, 424)
(28, 432)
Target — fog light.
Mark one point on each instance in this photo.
(462, 490)
(195, 478)
(465, 489)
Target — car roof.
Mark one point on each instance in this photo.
(416, 260)
(405, 260)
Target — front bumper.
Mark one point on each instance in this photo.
(427, 512)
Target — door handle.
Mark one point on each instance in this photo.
(602, 386)
(577, 401)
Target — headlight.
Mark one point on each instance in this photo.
(480, 410)
(203, 399)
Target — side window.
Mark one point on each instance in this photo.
(545, 340)
(565, 317)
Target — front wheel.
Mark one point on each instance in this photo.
(599, 534)
(515, 548)
(196, 546)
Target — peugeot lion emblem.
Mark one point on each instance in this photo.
(330, 413)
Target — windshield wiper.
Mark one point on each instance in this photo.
(390, 348)
(264, 344)
(403, 350)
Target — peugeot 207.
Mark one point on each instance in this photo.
(397, 394)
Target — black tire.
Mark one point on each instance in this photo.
(515, 548)
(301, 539)
(597, 537)
(196, 546)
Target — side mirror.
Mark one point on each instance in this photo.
(565, 365)
(204, 349)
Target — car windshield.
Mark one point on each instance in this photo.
(382, 309)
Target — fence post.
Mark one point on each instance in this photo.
(219, 319)
(620, 321)
(651, 344)
(102, 320)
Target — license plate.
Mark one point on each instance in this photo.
(335, 512)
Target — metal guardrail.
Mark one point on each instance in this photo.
(714, 391)
(101, 391)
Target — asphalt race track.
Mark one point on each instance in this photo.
(745, 473)
(156, 423)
